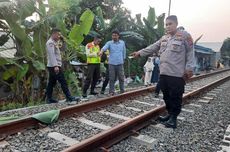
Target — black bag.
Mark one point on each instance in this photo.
(103, 57)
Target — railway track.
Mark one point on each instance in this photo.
(101, 123)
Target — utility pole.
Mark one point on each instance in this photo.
(169, 7)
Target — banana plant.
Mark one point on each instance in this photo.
(145, 31)
(30, 58)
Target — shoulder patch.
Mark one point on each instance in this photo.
(179, 33)
(51, 44)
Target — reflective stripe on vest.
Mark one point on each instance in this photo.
(96, 49)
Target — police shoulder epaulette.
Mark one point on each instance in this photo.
(51, 44)
(179, 33)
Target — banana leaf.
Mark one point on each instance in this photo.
(80, 30)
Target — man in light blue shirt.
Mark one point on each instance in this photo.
(117, 55)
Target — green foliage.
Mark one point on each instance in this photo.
(225, 49)
(10, 106)
(82, 29)
(16, 105)
(151, 17)
(32, 50)
(39, 66)
(22, 72)
(144, 32)
(11, 72)
(78, 20)
(73, 82)
(3, 61)
(25, 8)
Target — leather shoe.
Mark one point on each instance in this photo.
(93, 93)
(171, 123)
(70, 99)
(164, 118)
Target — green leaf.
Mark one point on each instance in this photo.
(10, 73)
(139, 21)
(22, 72)
(3, 61)
(160, 24)
(57, 6)
(26, 8)
(39, 43)
(80, 30)
(151, 31)
(39, 65)
(100, 18)
(27, 47)
(151, 16)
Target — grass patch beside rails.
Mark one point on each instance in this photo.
(7, 119)
(17, 105)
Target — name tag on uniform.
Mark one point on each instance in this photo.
(176, 45)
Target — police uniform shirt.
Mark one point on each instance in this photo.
(53, 54)
(176, 53)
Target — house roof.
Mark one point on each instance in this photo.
(203, 50)
(7, 50)
(7, 53)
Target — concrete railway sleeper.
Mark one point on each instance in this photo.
(99, 124)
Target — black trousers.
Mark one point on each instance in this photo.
(173, 89)
(105, 83)
(93, 74)
(53, 78)
(157, 89)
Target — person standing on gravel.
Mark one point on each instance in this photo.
(117, 55)
(176, 66)
(148, 69)
(54, 64)
(93, 61)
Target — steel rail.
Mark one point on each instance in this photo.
(28, 122)
(113, 135)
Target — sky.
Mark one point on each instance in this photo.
(208, 17)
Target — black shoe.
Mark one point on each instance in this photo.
(102, 92)
(84, 95)
(71, 99)
(171, 123)
(164, 118)
(122, 91)
(51, 101)
(93, 93)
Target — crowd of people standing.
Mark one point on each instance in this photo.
(174, 59)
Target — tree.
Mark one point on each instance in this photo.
(30, 38)
(225, 50)
(144, 32)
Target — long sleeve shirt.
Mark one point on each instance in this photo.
(53, 54)
(176, 53)
(117, 52)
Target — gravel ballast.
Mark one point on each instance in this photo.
(202, 131)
